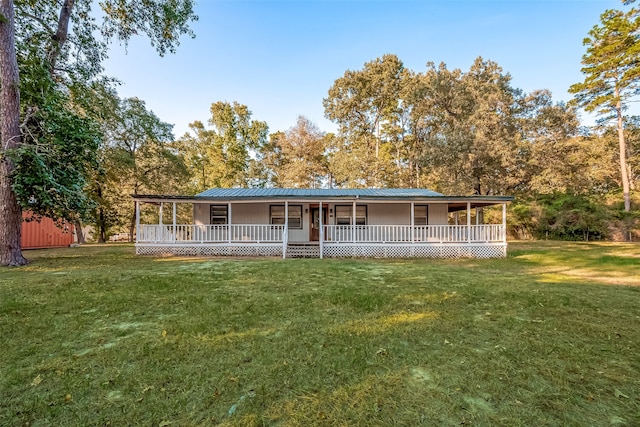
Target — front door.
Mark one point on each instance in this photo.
(315, 222)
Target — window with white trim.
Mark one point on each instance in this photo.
(277, 216)
(219, 214)
(420, 215)
(344, 214)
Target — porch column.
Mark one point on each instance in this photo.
(285, 232)
(353, 222)
(160, 217)
(469, 222)
(137, 221)
(504, 222)
(413, 219)
(321, 230)
(174, 221)
(229, 232)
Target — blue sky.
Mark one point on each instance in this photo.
(281, 57)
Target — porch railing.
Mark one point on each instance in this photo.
(267, 233)
(250, 233)
(418, 233)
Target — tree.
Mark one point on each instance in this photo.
(136, 158)
(612, 76)
(221, 156)
(296, 157)
(465, 126)
(66, 43)
(367, 106)
(10, 212)
(457, 132)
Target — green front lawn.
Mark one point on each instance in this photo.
(99, 336)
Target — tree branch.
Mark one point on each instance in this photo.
(39, 20)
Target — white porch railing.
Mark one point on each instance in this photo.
(267, 233)
(249, 233)
(418, 233)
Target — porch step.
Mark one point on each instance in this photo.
(303, 250)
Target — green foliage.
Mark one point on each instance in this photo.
(163, 21)
(136, 157)
(57, 151)
(296, 158)
(65, 101)
(612, 75)
(220, 156)
(456, 132)
(561, 216)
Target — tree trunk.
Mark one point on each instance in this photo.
(79, 233)
(102, 227)
(10, 211)
(623, 156)
(132, 226)
(60, 37)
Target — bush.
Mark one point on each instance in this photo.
(560, 216)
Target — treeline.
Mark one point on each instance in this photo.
(453, 131)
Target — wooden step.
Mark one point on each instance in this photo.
(302, 250)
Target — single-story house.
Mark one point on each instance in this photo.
(323, 223)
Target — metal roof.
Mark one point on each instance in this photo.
(317, 192)
(325, 194)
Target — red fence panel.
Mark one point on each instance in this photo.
(45, 233)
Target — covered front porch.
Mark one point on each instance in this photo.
(329, 227)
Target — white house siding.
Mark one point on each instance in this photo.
(300, 235)
(254, 213)
(378, 214)
(438, 214)
(389, 214)
(201, 214)
(249, 213)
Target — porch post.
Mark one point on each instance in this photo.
(285, 232)
(321, 231)
(160, 217)
(137, 221)
(504, 222)
(468, 222)
(413, 219)
(353, 222)
(229, 222)
(174, 221)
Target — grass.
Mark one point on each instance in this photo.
(98, 336)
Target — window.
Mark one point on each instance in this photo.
(219, 214)
(344, 214)
(420, 215)
(276, 215)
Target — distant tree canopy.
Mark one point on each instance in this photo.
(453, 131)
(457, 132)
(220, 156)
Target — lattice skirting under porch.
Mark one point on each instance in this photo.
(218, 250)
(331, 251)
(399, 251)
